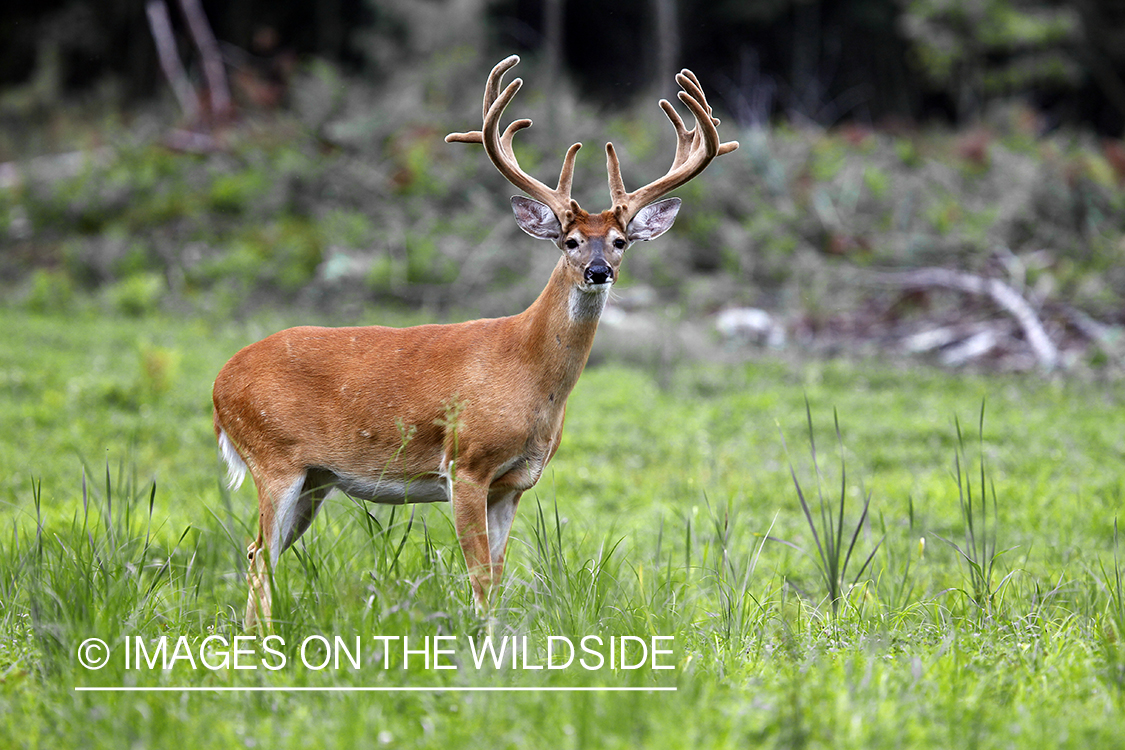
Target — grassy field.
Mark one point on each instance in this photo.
(980, 606)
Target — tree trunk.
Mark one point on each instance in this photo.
(667, 45)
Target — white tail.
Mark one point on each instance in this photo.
(236, 467)
(470, 412)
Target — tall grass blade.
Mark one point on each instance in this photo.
(833, 560)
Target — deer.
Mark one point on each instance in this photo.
(467, 413)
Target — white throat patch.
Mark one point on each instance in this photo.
(588, 305)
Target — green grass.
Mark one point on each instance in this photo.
(653, 520)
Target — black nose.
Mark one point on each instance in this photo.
(599, 274)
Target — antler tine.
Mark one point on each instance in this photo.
(618, 195)
(491, 93)
(499, 146)
(695, 149)
(492, 87)
(697, 93)
(684, 137)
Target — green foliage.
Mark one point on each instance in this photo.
(907, 151)
(877, 181)
(231, 193)
(139, 294)
(983, 48)
(159, 367)
(424, 262)
(828, 157)
(347, 228)
(51, 290)
(945, 216)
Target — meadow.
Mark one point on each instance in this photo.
(824, 553)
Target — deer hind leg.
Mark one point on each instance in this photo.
(279, 525)
(258, 604)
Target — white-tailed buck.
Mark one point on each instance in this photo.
(469, 412)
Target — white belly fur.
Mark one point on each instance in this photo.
(428, 488)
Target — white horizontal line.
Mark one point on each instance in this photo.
(362, 689)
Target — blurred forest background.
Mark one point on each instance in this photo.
(942, 178)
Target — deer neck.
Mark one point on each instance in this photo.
(559, 328)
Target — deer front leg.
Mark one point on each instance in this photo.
(502, 506)
(470, 519)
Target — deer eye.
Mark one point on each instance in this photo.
(619, 243)
(572, 244)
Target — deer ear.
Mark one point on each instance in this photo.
(653, 220)
(535, 218)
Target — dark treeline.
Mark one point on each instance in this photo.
(874, 61)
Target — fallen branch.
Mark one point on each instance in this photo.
(1002, 294)
(1094, 330)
